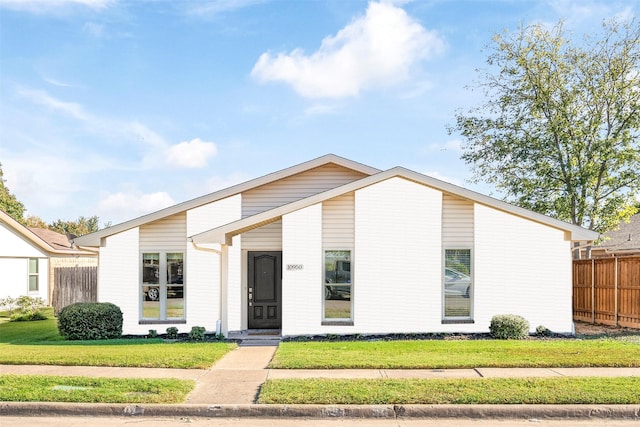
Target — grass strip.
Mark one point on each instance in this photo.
(565, 390)
(42, 388)
(39, 343)
(106, 353)
(442, 354)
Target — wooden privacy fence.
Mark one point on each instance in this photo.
(74, 284)
(607, 291)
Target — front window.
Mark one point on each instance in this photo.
(33, 275)
(337, 285)
(162, 286)
(458, 289)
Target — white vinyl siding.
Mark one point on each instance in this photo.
(521, 267)
(296, 187)
(168, 234)
(267, 237)
(338, 216)
(457, 222)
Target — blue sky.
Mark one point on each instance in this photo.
(118, 108)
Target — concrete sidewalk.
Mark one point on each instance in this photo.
(231, 386)
(236, 378)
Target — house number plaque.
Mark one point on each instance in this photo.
(294, 266)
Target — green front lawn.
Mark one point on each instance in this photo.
(39, 343)
(40, 388)
(440, 354)
(564, 390)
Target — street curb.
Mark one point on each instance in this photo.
(631, 412)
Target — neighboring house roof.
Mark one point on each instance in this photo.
(53, 239)
(626, 238)
(93, 239)
(225, 233)
(49, 241)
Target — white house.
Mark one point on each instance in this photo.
(332, 246)
(28, 257)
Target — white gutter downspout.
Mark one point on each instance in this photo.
(219, 253)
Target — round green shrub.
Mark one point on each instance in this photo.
(543, 331)
(509, 327)
(90, 321)
(197, 333)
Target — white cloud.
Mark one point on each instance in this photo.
(43, 98)
(216, 7)
(117, 207)
(158, 151)
(55, 82)
(376, 50)
(190, 154)
(43, 6)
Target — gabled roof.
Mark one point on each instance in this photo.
(225, 233)
(626, 238)
(94, 239)
(46, 240)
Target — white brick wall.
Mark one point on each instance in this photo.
(203, 268)
(302, 291)
(119, 278)
(521, 267)
(397, 258)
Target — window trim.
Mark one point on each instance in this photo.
(162, 285)
(35, 274)
(458, 319)
(336, 321)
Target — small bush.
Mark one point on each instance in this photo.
(29, 317)
(153, 333)
(24, 308)
(197, 333)
(543, 331)
(172, 332)
(509, 327)
(8, 304)
(90, 321)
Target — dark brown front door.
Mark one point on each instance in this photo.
(264, 290)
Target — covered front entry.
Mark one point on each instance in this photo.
(264, 290)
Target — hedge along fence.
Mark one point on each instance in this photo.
(607, 291)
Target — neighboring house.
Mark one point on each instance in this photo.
(28, 258)
(332, 246)
(625, 240)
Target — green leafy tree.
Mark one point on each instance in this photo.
(8, 202)
(81, 226)
(33, 221)
(558, 130)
